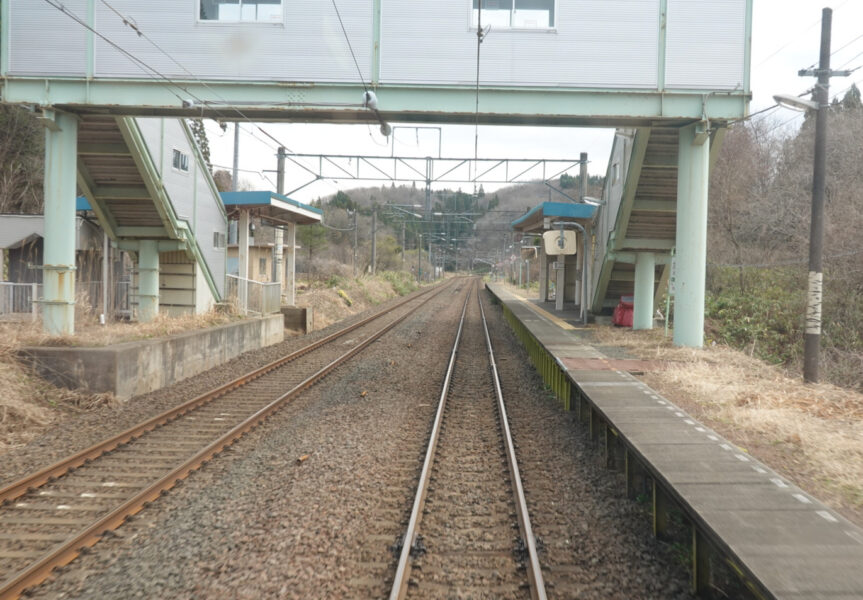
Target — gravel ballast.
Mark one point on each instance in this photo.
(310, 504)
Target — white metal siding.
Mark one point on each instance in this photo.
(308, 46)
(706, 44)
(44, 41)
(596, 43)
(190, 193)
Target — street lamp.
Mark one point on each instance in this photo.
(795, 102)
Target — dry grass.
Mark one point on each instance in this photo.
(818, 428)
(28, 405)
(364, 292)
(88, 331)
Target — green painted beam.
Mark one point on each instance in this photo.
(268, 101)
(122, 192)
(630, 257)
(655, 205)
(647, 244)
(622, 276)
(142, 232)
(102, 149)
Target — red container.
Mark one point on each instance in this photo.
(622, 316)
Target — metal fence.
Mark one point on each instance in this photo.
(254, 297)
(16, 299)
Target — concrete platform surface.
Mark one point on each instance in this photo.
(794, 546)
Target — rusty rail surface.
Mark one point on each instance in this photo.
(66, 551)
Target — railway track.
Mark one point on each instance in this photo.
(49, 517)
(469, 532)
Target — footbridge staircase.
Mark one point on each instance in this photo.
(152, 192)
(638, 216)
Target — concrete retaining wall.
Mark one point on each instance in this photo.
(134, 368)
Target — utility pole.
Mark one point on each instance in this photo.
(404, 227)
(419, 258)
(582, 193)
(374, 240)
(812, 338)
(278, 242)
(356, 229)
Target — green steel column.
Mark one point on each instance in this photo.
(148, 280)
(645, 270)
(692, 181)
(58, 277)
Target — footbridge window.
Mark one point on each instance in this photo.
(233, 11)
(515, 14)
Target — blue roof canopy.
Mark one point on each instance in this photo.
(534, 220)
(271, 206)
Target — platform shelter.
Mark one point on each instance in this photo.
(566, 271)
(281, 212)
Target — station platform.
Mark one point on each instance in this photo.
(782, 542)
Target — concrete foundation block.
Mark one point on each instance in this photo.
(134, 368)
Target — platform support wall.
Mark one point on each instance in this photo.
(692, 185)
(148, 280)
(645, 275)
(58, 278)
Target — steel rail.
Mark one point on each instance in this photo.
(68, 550)
(534, 572)
(402, 575)
(21, 486)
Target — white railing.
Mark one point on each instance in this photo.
(253, 297)
(17, 298)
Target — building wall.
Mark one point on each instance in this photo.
(194, 200)
(611, 44)
(256, 255)
(598, 43)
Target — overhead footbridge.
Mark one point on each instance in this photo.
(647, 66)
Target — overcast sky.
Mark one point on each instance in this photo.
(786, 38)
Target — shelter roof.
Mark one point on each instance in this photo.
(272, 207)
(535, 219)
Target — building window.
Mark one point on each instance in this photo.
(180, 161)
(219, 240)
(262, 266)
(515, 14)
(254, 11)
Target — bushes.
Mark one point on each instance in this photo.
(761, 312)
(403, 282)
